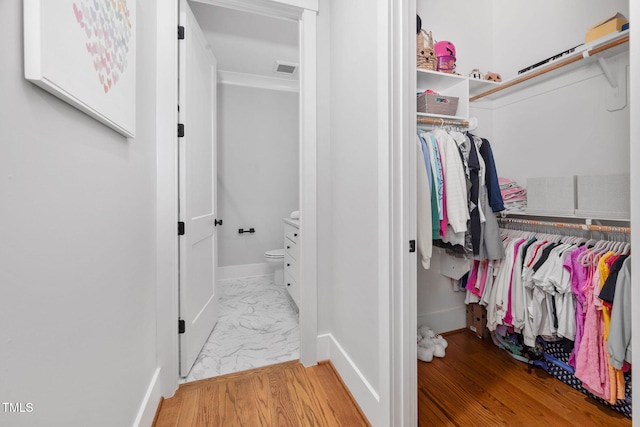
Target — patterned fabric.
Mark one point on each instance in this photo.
(557, 358)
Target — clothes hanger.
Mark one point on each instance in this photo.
(605, 249)
(624, 246)
(580, 239)
(617, 246)
(587, 257)
(611, 245)
(627, 245)
(573, 240)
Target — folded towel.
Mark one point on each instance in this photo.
(513, 193)
(515, 206)
(506, 183)
(516, 200)
(295, 215)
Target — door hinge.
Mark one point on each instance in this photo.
(412, 245)
(180, 130)
(181, 326)
(181, 228)
(180, 32)
(217, 222)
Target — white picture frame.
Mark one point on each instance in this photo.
(84, 52)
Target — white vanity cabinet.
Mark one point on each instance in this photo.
(291, 258)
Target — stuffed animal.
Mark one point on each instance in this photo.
(494, 77)
(425, 352)
(430, 344)
(425, 55)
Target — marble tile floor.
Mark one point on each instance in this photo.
(257, 326)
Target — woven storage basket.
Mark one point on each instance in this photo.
(437, 104)
(425, 55)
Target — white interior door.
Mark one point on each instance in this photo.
(197, 188)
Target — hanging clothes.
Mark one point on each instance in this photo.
(591, 362)
(491, 177)
(619, 343)
(462, 215)
(559, 288)
(578, 274)
(423, 201)
(455, 188)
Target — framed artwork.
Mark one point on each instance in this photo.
(84, 52)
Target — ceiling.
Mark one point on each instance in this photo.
(248, 43)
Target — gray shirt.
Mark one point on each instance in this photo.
(619, 342)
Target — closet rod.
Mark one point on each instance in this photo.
(590, 227)
(441, 122)
(552, 67)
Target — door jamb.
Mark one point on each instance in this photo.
(167, 194)
(404, 405)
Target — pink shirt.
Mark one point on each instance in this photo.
(508, 317)
(578, 275)
(591, 362)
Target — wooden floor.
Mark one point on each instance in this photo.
(286, 394)
(478, 384)
(475, 384)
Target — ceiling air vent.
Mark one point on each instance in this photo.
(285, 67)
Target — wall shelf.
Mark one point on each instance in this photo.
(437, 117)
(447, 85)
(600, 49)
(477, 86)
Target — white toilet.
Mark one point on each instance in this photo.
(275, 258)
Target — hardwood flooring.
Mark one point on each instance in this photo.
(478, 384)
(286, 394)
(475, 384)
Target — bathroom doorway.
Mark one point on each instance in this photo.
(259, 174)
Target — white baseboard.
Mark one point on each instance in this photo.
(149, 406)
(244, 270)
(323, 346)
(445, 320)
(364, 394)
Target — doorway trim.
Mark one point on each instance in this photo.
(305, 13)
(404, 374)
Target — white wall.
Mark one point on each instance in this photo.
(565, 131)
(354, 177)
(257, 170)
(438, 306)
(561, 127)
(77, 258)
(353, 187)
(526, 32)
(352, 294)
